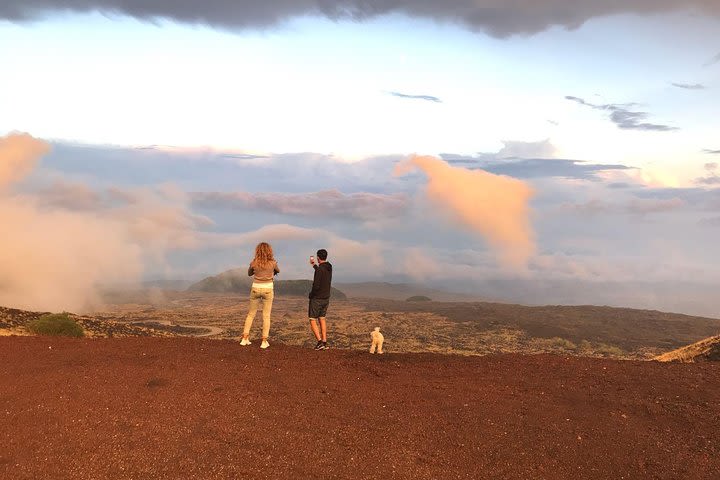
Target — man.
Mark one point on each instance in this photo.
(320, 298)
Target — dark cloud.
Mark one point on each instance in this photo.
(528, 160)
(496, 17)
(709, 180)
(711, 177)
(711, 152)
(427, 98)
(550, 167)
(327, 203)
(689, 86)
(456, 159)
(527, 168)
(623, 117)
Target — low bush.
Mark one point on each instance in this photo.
(609, 350)
(56, 324)
(602, 349)
(555, 343)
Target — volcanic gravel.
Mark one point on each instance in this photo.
(180, 408)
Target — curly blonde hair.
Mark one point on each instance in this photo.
(263, 255)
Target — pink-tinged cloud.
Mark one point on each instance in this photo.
(420, 264)
(493, 206)
(58, 245)
(19, 153)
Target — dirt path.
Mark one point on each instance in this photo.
(183, 408)
(211, 331)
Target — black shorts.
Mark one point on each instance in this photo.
(318, 307)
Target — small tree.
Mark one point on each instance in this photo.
(56, 324)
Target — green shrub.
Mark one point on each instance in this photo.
(603, 349)
(563, 343)
(608, 350)
(555, 343)
(56, 324)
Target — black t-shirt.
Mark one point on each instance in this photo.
(321, 281)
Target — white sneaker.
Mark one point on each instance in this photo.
(245, 341)
(264, 344)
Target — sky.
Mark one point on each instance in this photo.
(567, 152)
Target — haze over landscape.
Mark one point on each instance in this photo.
(178, 136)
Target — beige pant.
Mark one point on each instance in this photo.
(256, 296)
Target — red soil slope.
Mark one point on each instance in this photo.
(178, 408)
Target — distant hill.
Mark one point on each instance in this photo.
(418, 298)
(401, 291)
(237, 281)
(707, 350)
(234, 280)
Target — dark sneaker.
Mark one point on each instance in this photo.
(325, 346)
(319, 346)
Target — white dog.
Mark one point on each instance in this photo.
(377, 340)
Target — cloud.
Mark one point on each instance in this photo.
(52, 260)
(420, 264)
(494, 206)
(70, 196)
(428, 98)
(59, 243)
(711, 177)
(332, 203)
(351, 258)
(689, 86)
(104, 228)
(19, 153)
(267, 233)
(495, 17)
(623, 117)
(711, 152)
(636, 206)
(537, 168)
(516, 149)
(714, 60)
(364, 258)
(531, 160)
(209, 170)
(70, 237)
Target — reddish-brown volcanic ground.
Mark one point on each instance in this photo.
(148, 408)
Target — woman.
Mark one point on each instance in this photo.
(263, 268)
